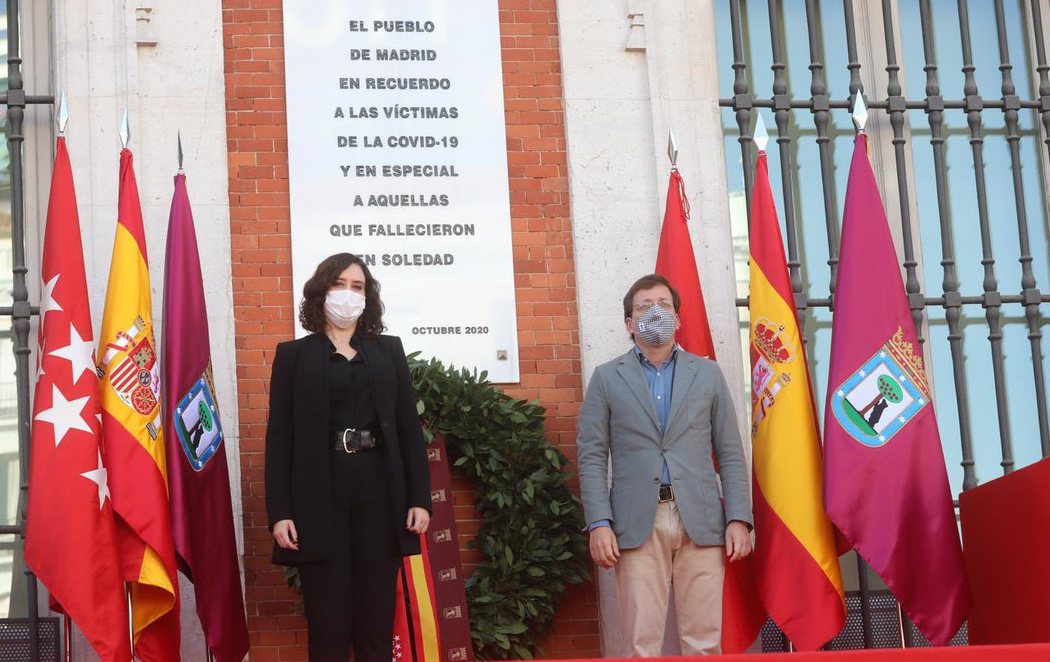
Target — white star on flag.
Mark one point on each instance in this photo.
(47, 299)
(79, 353)
(64, 415)
(100, 477)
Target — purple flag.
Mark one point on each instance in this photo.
(885, 484)
(198, 478)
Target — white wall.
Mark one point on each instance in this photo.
(164, 61)
(619, 107)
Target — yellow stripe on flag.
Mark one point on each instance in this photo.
(128, 300)
(786, 444)
(153, 596)
(425, 605)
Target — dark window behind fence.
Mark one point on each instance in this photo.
(960, 92)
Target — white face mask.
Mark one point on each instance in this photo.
(343, 307)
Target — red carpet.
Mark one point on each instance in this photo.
(1018, 653)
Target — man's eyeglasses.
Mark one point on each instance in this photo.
(642, 306)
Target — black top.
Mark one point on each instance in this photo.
(350, 401)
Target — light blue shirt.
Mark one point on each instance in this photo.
(660, 379)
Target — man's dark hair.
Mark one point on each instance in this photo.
(311, 310)
(645, 283)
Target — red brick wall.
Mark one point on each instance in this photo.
(261, 256)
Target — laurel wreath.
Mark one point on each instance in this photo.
(531, 536)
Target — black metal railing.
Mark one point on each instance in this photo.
(16, 100)
(783, 100)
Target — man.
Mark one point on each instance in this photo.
(657, 413)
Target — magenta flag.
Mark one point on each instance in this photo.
(885, 483)
(198, 477)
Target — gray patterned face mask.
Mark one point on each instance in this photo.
(655, 326)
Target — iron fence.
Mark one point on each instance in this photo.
(997, 299)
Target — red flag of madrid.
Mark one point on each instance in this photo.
(199, 481)
(70, 539)
(742, 613)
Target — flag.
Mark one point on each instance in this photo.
(675, 262)
(416, 634)
(199, 480)
(796, 561)
(133, 436)
(70, 538)
(885, 483)
(742, 614)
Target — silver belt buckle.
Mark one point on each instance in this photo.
(345, 447)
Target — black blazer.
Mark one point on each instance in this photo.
(298, 446)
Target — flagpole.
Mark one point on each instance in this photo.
(125, 130)
(125, 136)
(67, 622)
(131, 620)
(860, 119)
(672, 149)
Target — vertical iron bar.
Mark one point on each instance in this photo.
(853, 65)
(973, 104)
(1044, 80)
(992, 298)
(741, 101)
(865, 590)
(1044, 114)
(1029, 290)
(16, 103)
(896, 108)
(819, 92)
(782, 113)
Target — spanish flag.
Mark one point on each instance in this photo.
(133, 435)
(796, 561)
(417, 637)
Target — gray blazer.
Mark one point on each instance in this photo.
(618, 422)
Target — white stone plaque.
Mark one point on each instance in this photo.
(397, 153)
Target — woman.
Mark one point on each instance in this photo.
(347, 484)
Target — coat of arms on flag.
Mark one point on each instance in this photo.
(879, 399)
(136, 377)
(197, 422)
(771, 349)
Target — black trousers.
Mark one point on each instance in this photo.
(349, 599)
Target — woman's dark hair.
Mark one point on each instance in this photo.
(311, 310)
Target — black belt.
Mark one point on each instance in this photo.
(666, 494)
(354, 441)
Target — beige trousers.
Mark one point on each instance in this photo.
(644, 577)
